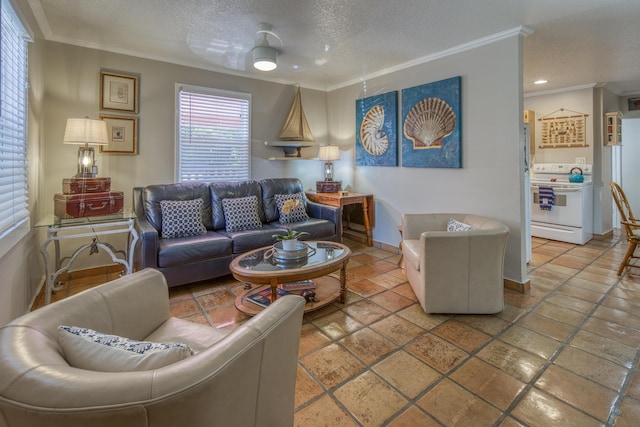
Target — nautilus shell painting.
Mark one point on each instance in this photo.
(377, 130)
(431, 125)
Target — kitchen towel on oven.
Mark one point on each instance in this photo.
(546, 198)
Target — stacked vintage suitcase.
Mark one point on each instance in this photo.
(87, 197)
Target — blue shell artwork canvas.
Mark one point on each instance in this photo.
(431, 125)
(377, 130)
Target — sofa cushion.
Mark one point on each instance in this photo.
(318, 229)
(154, 194)
(186, 250)
(273, 186)
(291, 208)
(241, 213)
(229, 190)
(455, 225)
(95, 351)
(181, 218)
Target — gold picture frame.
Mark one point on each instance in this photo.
(118, 92)
(122, 133)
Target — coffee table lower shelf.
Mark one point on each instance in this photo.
(327, 291)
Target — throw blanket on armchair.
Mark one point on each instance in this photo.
(546, 198)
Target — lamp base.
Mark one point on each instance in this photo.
(328, 186)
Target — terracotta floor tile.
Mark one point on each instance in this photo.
(606, 348)
(386, 280)
(489, 324)
(510, 422)
(406, 373)
(226, 316)
(579, 392)
(416, 314)
(452, 405)
(618, 316)
(360, 273)
(338, 324)
(629, 306)
(365, 288)
(368, 345)
(366, 312)
(584, 294)
(629, 413)
(517, 299)
(463, 336)
(488, 382)
(307, 388)
(311, 339)
(531, 341)
(516, 362)
(322, 413)
(437, 352)
(364, 258)
(546, 326)
(561, 314)
(397, 329)
(539, 409)
(607, 373)
(332, 365)
(617, 332)
(406, 291)
(179, 293)
(413, 417)
(216, 299)
(183, 308)
(631, 294)
(391, 300)
(538, 259)
(571, 303)
(634, 386)
(570, 261)
(198, 318)
(370, 400)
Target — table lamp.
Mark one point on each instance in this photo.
(86, 131)
(328, 153)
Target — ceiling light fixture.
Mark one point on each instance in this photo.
(264, 55)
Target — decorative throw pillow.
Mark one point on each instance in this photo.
(293, 211)
(88, 349)
(182, 218)
(241, 213)
(453, 225)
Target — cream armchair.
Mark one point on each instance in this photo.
(455, 272)
(243, 378)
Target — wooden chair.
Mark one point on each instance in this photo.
(630, 224)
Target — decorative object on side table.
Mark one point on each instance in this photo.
(85, 131)
(328, 153)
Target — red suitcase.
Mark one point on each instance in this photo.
(88, 204)
(85, 185)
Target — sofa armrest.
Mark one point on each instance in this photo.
(330, 213)
(146, 254)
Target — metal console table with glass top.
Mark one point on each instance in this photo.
(85, 228)
(263, 268)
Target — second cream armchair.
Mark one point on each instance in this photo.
(455, 272)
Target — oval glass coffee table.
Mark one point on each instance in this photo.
(263, 269)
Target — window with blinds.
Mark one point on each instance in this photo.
(13, 120)
(213, 135)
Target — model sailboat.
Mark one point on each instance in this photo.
(296, 132)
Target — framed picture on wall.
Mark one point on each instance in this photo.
(122, 133)
(118, 92)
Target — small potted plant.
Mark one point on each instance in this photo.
(290, 240)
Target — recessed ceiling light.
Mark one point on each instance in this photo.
(540, 82)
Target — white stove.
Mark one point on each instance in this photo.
(565, 211)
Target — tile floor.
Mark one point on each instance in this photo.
(565, 354)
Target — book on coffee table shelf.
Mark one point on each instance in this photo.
(263, 297)
(298, 286)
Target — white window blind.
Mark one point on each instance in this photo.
(214, 138)
(13, 119)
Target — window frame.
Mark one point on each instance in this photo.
(202, 90)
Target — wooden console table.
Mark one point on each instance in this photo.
(336, 200)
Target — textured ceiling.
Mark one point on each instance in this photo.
(327, 44)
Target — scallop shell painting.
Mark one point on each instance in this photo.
(431, 125)
(377, 130)
(429, 122)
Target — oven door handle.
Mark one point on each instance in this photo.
(559, 189)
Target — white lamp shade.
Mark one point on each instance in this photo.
(86, 131)
(329, 152)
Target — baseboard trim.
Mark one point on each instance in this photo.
(522, 288)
